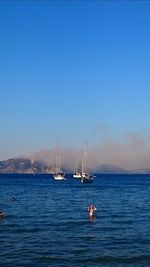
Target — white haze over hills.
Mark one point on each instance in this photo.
(130, 152)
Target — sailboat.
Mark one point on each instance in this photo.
(86, 176)
(58, 174)
(77, 173)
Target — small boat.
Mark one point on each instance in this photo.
(58, 174)
(86, 176)
(77, 173)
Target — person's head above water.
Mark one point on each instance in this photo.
(1, 213)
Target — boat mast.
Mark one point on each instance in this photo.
(82, 166)
(56, 166)
(59, 162)
(85, 157)
(76, 167)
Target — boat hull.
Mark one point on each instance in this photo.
(59, 177)
(86, 181)
(79, 176)
(86, 178)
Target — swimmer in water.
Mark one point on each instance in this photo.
(91, 210)
(1, 214)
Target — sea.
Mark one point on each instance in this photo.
(46, 222)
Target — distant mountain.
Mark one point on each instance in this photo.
(106, 168)
(141, 171)
(24, 165)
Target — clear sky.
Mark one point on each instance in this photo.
(72, 71)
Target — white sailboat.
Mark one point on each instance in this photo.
(77, 173)
(86, 176)
(59, 174)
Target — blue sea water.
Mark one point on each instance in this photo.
(48, 223)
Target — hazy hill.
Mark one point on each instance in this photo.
(24, 165)
(105, 168)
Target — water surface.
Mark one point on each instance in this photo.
(48, 223)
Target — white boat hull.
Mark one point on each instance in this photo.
(59, 177)
(77, 176)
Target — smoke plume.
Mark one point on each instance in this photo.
(131, 151)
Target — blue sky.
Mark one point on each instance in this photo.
(70, 70)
